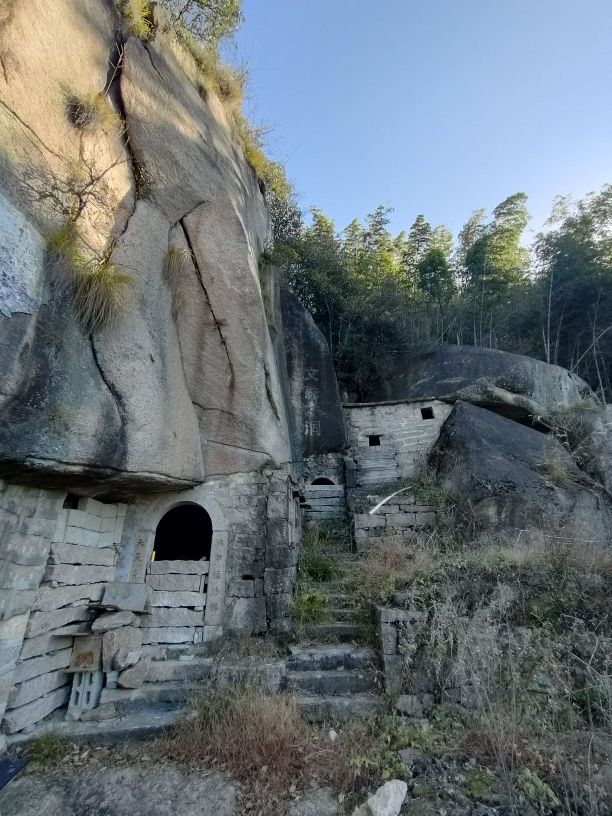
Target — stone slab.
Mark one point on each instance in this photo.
(135, 676)
(176, 599)
(80, 518)
(77, 554)
(36, 687)
(167, 634)
(174, 583)
(127, 595)
(128, 638)
(15, 602)
(114, 620)
(41, 622)
(160, 617)
(178, 567)
(49, 598)
(44, 644)
(19, 576)
(19, 718)
(36, 666)
(70, 574)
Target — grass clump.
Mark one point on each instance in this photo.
(177, 263)
(97, 287)
(90, 111)
(224, 80)
(317, 554)
(138, 17)
(48, 749)
(309, 607)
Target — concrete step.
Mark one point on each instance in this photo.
(343, 614)
(167, 695)
(332, 683)
(164, 671)
(325, 709)
(317, 657)
(336, 631)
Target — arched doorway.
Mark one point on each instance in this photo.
(184, 533)
(322, 480)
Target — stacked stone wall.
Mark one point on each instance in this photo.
(80, 560)
(404, 438)
(396, 521)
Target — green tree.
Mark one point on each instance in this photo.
(208, 20)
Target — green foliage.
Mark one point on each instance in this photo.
(381, 761)
(309, 606)
(317, 552)
(91, 111)
(207, 20)
(48, 749)
(138, 17)
(480, 783)
(534, 787)
(98, 288)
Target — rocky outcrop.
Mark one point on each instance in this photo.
(517, 386)
(313, 390)
(184, 384)
(514, 477)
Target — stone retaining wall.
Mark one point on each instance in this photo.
(394, 522)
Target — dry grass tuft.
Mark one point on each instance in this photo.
(91, 111)
(224, 80)
(178, 262)
(138, 17)
(97, 286)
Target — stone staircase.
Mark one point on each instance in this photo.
(333, 675)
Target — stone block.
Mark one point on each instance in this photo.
(80, 518)
(64, 574)
(125, 658)
(247, 614)
(278, 533)
(425, 519)
(82, 537)
(41, 622)
(114, 620)
(79, 554)
(174, 583)
(368, 521)
(178, 567)
(269, 675)
(44, 644)
(277, 506)
(393, 674)
(33, 689)
(242, 588)
(128, 638)
(15, 602)
(26, 669)
(96, 508)
(20, 576)
(166, 634)
(13, 628)
(176, 599)
(277, 581)
(127, 595)
(10, 651)
(20, 549)
(279, 606)
(160, 616)
(31, 713)
(135, 676)
(108, 525)
(281, 556)
(100, 713)
(49, 597)
(403, 520)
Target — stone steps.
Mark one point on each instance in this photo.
(159, 695)
(317, 657)
(344, 614)
(164, 671)
(318, 709)
(332, 683)
(343, 631)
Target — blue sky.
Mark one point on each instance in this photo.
(433, 106)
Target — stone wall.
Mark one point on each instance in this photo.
(405, 432)
(396, 521)
(80, 561)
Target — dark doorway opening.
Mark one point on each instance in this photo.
(322, 480)
(184, 534)
(427, 413)
(374, 440)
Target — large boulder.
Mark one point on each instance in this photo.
(312, 385)
(184, 383)
(512, 384)
(513, 477)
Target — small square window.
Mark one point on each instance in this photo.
(373, 440)
(427, 413)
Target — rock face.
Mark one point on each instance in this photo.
(184, 383)
(313, 390)
(512, 384)
(515, 477)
